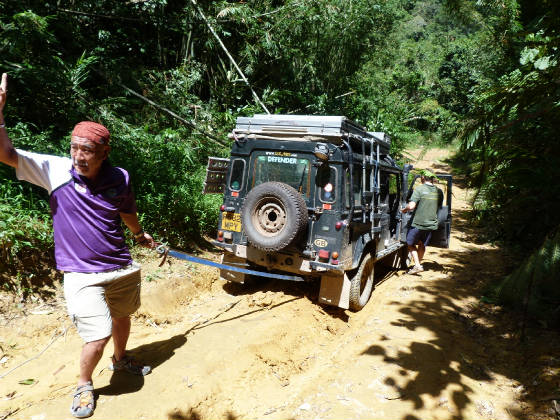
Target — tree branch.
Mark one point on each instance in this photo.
(229, 56)
(214, 139)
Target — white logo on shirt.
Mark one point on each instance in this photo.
(80, 188)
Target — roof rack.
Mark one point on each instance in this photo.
(330, 129)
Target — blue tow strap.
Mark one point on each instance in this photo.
(187, 257)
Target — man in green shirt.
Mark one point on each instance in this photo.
(425, 202)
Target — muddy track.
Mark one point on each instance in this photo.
(424, 347)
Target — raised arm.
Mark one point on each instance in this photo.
(8, 154)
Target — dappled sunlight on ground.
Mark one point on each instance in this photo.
(425, 346)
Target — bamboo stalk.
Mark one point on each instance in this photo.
(257, 99)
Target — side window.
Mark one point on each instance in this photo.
(236, 176)
(353, 192)
(357, 187)
(384, 187)
(394, 184)
(368, 179)
(347, 188)
(394, 192)
(326, 183)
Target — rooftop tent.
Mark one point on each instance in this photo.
(330, 129)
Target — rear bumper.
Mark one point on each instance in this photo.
(289, 262)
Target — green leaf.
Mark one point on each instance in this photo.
(29, 381)
(542, 63)
(528, 55)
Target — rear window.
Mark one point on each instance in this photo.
(236, 176)
(326, 183)
(290, 170)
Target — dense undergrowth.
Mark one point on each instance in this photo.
(532, 288)
(426, 72)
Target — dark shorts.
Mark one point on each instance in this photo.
(416, 235)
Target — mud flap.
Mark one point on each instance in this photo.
(335, 290)
(235, 276)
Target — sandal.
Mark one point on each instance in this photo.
(129, 365)
(83, 403)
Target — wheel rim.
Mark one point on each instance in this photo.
(269, 217)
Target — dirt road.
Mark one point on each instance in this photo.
(423, 348)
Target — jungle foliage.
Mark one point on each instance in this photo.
(533, 287)
(484, 72)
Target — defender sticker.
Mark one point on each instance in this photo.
(279, 159)
(321, 243)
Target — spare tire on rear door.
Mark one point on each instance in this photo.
(273, 216)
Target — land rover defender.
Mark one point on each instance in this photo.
(314, 197)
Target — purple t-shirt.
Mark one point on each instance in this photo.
(88, 234)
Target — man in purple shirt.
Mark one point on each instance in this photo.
(89, 200)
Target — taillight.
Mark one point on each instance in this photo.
(220, 236)
(324, 254)
(334, 255)
(222, 207)
(338, 225)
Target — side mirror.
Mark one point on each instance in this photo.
(321, 152)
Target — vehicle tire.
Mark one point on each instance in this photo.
(273, 216)
(361, 283)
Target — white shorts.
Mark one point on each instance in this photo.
(93, 299)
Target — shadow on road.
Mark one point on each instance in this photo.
(471, 339)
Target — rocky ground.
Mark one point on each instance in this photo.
(425, 346)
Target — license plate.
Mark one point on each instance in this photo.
(231, 221)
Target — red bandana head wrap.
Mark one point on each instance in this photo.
(92, 131)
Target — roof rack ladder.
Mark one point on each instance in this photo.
(375, 181)
(369, 200)
(371, 185)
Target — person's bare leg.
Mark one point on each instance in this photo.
(121, 332)
(421, 251)
(414, 252)
(89, 358)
